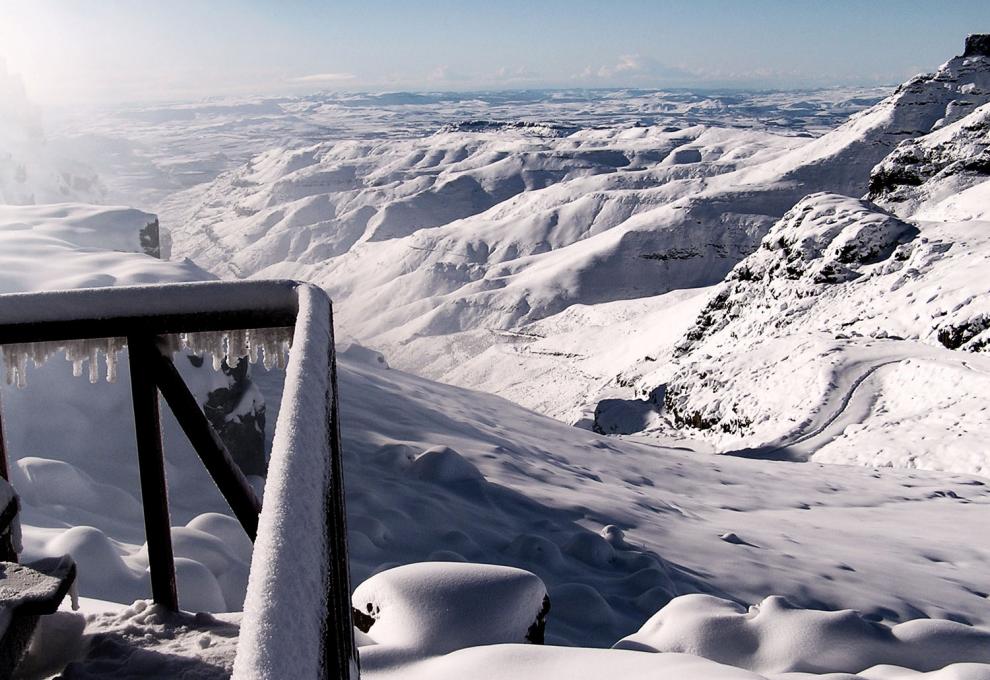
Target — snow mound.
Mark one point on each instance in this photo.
(436, 607)
(776, 637)
(359, 353)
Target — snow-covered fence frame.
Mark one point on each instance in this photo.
(297, 613)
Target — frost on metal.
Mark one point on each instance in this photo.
(268, 345)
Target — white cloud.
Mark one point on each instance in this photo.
(636, 68)
(444, 74)
(520, 74)
(324, 78)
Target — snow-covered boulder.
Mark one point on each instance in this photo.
(438, 607)
(824, 239)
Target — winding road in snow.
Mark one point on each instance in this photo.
(849, 403)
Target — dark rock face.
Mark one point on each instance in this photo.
(960, 153)
(363, 622)
(977, 45)
(537, 632)
(151, 239)
(965, 335)
(241, 429)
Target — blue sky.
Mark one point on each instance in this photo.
(110, 50)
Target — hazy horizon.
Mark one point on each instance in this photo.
(73, 53)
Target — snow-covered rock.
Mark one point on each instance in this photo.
(438, 607)
(934, 167)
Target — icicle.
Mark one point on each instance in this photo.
(111, 358)
(270, 345)
(232, 346)
(94, 366)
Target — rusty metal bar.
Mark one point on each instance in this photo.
(7, 552)
(141, 353)
(146, 310)
(231, 482)
(341, 649)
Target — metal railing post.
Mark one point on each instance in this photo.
(141, 354)
(7, 552)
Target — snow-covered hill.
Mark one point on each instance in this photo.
(470, 255)
(849, 337)
(614, 528)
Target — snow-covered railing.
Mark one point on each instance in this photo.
(297, 613)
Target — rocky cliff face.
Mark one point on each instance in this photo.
(932, 167)
(236, 409)
(977, 45)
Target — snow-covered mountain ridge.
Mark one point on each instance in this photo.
(540, 265)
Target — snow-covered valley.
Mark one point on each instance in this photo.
(554, 309)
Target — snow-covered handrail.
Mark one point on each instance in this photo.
(297, 562)
(202, 306)
(297, 614)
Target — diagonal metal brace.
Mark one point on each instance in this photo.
(231, 482)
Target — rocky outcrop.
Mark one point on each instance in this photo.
(977, 45)
(934, 166)
(824, 239)
(237, 412)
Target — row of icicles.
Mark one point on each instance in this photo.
(269, 345)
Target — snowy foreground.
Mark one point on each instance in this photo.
(813, 301)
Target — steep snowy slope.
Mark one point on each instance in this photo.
(850, 325)
(615, 528)
(440, 248)
(936, 167)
